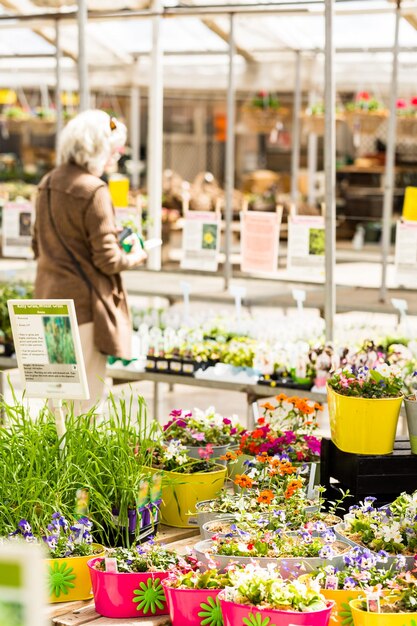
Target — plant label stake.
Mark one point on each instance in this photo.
(299, 296)
(310, 488)
(402, 308)
(255, 412)
(186, 290)
(238, 293)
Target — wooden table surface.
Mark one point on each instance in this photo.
(80, 613)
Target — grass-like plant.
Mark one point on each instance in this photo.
(105, 457)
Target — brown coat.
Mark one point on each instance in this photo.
(84, 216)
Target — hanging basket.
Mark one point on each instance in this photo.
(316, 124)
(262, 121)
(13, 126)
(41, 127)
(365, 122)
(406, 126)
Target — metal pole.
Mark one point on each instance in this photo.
(312, 149)
(390, 160)
(330, 171)
(155, 135)
(58, 102)
(82, 16)
(135, 133)
(230, 158)
(296, 135)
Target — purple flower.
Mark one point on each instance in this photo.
(326, 552)
(181, 423)
(25, 527)
(56, 515)
(350, 583)
(226, 421)
(176, 413)
(85, 522)
(51, 541)
(233, 431)
(329, 536)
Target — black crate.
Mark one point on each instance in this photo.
(383, 476)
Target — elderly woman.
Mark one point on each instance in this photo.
(76, 245)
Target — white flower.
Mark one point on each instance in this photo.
(383, 369)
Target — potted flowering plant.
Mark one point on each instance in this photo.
(291, 552)
(363, 570)
(192, 597)
(263, 112)
(260, 597)
(70, 547)
(364, 405)
(398, 607)
(185, 482)
(365, 114)
(390, 528)
(314, 119)
(127, 582)
(406, 116)
(199, 429)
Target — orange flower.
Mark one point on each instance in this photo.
(238, 452)
(281, 397)
(262, 458)
(293, 486)
(286, 468)
(318, 407)
(243, 481)
(293, 400)
(229, 456)
(268, 406)
(266, 496)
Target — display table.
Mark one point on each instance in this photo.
(383, 476)
(253, 392)
(78, 613)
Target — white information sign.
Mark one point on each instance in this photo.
(201, 241)
(18, 221)
(406, 253)
(259, 241)
(48, 349)
(306, 244)
(22, 574)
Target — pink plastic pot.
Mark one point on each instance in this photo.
(128, 595)
(193, 607)
(234, 614)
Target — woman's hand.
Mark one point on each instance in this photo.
(137, 254)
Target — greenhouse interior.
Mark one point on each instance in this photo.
(202, 196)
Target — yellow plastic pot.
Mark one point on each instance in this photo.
(69, 578)
(181, 493)
(341, 613)
(363, 618)
(363, 425)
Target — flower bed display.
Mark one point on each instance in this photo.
(260, 597)
(205, 434)
(392, 528)
(130, 583)
(70, 548)
(293, 554)
(185, 482)
(192, 597)
(364, 406)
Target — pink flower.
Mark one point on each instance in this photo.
(226, 421)
(401, 104)
(198, 436)
(205, 453)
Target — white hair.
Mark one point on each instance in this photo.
(90, 139)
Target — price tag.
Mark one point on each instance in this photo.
(111, 565)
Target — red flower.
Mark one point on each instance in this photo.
(413, 101)
(250, 546)
(363, 95)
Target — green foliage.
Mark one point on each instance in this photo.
(103, 456)
(11, 291)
